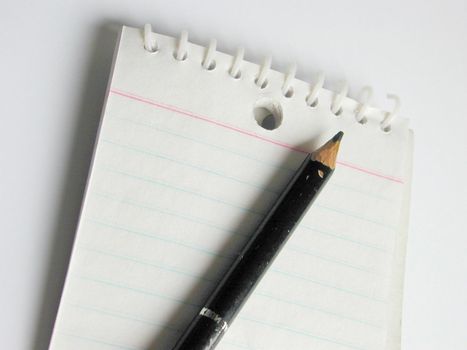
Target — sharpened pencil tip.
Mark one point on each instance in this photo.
(338, 136)
(327, 154)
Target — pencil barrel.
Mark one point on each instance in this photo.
(203, 334)
(255, 258)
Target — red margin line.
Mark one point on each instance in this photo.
(245, 132)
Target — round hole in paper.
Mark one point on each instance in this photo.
(268, 113)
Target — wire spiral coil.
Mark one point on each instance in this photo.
(287, 89)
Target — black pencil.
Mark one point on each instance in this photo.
(210, 324)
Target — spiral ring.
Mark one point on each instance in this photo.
(339, 98)
(151, 44)
(235, 71)
(386, 123)
(209, 62)
(364, 104)
(312, 98)
(261, 80)
(287, 89)
(181, 54)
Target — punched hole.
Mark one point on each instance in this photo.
(153, 49)
(268, 114)
(237, 76)
(363, 121)
(338, 113)
(289, 92)
(387, 129)
(314, 103)
(183, 58)
(263, 85)
(211, 66)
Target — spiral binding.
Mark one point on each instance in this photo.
(365, 97)
(209, 63)
(235, 71)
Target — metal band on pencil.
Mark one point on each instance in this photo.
(215, 317)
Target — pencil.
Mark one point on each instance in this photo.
(210, 324)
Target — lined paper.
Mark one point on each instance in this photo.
(181, 177)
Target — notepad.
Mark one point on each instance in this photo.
(184, 170)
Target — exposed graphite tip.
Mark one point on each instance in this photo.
(327, 154)
(338, 136)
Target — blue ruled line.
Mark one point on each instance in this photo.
(327, 285)
(269, 190)
(167, 212)
(160, 238)
(300, 250)
(164, 211)
(316, 309)
(136, 290)
(217, 200)
(146, 263)
(300, 332)
(209, 171)
(356, 216)
(264, 294)
(212, 253)
(258, 160)
(345, 238)
(125, 316)
(178, 301)
(196, 306)
(210, 145)
(180, 189)
(359, 191)
(96, 340)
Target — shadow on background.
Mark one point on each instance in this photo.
(87, 120)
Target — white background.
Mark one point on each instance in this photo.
(55, 58)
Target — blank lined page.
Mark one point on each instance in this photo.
(181, 177)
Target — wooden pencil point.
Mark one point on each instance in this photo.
(327, 154)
